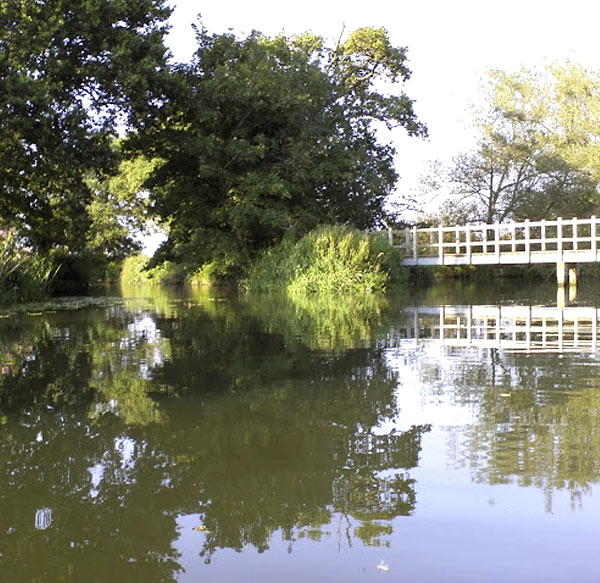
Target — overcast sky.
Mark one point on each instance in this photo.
(450, 46)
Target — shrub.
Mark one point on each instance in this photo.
(167, 272)
(328, 260)
(208, 274)
(133, 271)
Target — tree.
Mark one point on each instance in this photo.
(264, 134)
(66, 82)
(538, 147)
(118, 211)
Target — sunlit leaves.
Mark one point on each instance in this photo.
(66, 80)
(538, 151)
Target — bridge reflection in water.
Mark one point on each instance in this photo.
(510, 328)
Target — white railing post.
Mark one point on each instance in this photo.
(391, 236)
(498, 322)
(414, 242)
(441, 244)
(468, 243)
(527, 241)
(457, 239)
(442, 322)
(543, 234)
(594, 241)
(497, 240)
(574, 234)
(469, 325)
(559, 241)
(406, 241)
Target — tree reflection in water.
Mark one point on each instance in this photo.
(118, 420)
(535, 413)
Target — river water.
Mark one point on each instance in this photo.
(448, 434)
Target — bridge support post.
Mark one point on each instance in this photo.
(566, 274)
(562, 275)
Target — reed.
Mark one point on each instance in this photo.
(24, 275)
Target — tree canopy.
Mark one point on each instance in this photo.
(264, 134)
(67, 79)
(253, 138)
(538, 152)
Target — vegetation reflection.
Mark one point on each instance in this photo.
(538, 426)
(118, 420)
(535, 414)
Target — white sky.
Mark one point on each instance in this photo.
(450, 46)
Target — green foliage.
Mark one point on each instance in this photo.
(327, 260)
(538, 152)
(208, 274)
(323, 321)
(263, 134)
(118, 210)
(71, 71)
(133, 270)
(167, 272)
(24, 275)
(136, 270)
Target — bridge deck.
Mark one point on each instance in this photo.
(506, 258)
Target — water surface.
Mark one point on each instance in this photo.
(450, 434)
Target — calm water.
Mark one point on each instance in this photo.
(447, 435)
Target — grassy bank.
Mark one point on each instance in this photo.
(326, 260)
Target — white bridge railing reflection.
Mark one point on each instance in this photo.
(510, 328)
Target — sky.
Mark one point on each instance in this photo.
(451, 44)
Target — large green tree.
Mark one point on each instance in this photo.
(538, 149)
(264, 134)
(71, 72)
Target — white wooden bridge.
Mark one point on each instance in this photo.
(510, 328)
(564, 242)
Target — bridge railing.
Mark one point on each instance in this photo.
(527, 238)
(511, 328)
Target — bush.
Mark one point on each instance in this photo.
(135, 271)
(207, 275)
(167, 272)
(328, 260)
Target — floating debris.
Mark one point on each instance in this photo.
(383, 566)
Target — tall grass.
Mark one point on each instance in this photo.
(24, 276)
(328, 260)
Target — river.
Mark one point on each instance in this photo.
(444, 434)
